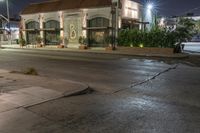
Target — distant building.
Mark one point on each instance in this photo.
(9, 31)
(169, 23)
(69, 19)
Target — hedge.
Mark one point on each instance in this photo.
(153, 38)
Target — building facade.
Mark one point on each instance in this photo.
(66, 21)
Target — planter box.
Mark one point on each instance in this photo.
(21, 46)
(147, 50)
(110, 48)
(39, 45)
(83, 47)
(60, 46)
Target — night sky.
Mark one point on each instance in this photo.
(164, 7)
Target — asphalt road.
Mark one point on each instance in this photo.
(131, 95)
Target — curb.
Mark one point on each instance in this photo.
(180, 56)
(82, 91)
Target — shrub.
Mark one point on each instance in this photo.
(108, 40)
(17, 41)
(38, 39)
(154, 38)
(83, 40)
(22, 41)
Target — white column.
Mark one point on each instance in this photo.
(23, 27)
(84, 24)
(62, 26)
(41, 21)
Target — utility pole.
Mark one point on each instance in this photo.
(8, 18)
(115, 22)
(113, 26)
(8, 14)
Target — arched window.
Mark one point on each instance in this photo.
(98, 31)
(52, 24)
(99, 22)
(32, 25)
(32, 32)
(52, 32)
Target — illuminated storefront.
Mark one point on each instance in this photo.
(65, 21)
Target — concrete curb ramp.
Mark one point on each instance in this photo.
(15, 117)
(31, 96)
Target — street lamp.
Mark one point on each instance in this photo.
(150, 14)
(149, 6)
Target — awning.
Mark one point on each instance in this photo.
(46, 29)
(29, 29)
(134, 21)
(96, 28)
(51, 29)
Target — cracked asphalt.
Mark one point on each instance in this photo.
(131, 95)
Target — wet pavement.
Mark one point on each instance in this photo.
(167, 104)
(130, 95)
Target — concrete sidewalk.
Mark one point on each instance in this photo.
(14, 81)
(24, 90)
(18, 92)
(96, 51)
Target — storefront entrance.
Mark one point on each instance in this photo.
(97, 38)
(98, 31)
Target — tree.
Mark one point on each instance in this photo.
(185, 29)
(197, 26)
(184, 32)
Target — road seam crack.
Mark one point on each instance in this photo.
(149, 79)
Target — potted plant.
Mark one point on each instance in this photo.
(39, 41)
(83, 42)
(22, 42)
(60, 43)
(108, 41)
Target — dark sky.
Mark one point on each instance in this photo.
(164, 7)
(178, 7)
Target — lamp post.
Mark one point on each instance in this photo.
(151, 14)
(150, 6)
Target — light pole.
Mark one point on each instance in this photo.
(115, 22)
(150, 6)
(150, 14)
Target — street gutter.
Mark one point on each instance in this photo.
(175, 56)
